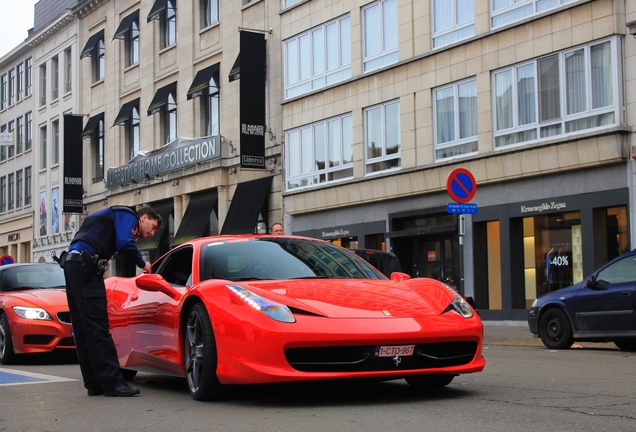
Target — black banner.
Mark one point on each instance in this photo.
(252, 100)
(73, 167)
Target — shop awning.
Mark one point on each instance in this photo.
(161, 98)
(90, 46)
(125, 25)
(201, 83)
(235, 72)
(125, 113)
(91, 125)
(246, 205)
(196, 217)
(164, 209)
(157, 7)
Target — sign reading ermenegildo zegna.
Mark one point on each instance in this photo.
(177, 154)
(543, 207)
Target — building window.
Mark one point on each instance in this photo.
(210, 10)
(11, 192)
(11, 147)
(97, 140)
(18, 189)
(55, 148)
(19, 82)
(55, 78)
(169, 24)
(382, 137)
(508, 11)
(68, 71)
(27, 186)
(99, 65)
(320, 153)
(559, 94)
(28, 77)
(212, 109)
(19, 139)
(133, 139)
(453, 20)
(318, 57)
(3, 149)
(42, 85)
(286, 3)
(11, 87)
(43, 147)
(4, 95)
(133, 44)
(170, 118)
(28, 131)
(380, 39)
(3, 194)
(455, 113)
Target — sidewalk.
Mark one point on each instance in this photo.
(509, 333)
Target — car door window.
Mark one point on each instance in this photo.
(620, 272)
(177, 267)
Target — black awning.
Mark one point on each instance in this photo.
(125, 113)
(201, 83)
(91, 125)
(157, 7)
(235, 72)
(161, 98)
(246, 205)
(125, 25)
(90, 46)
(164, 209)
(195, 220)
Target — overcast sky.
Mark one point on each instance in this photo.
(15, 21)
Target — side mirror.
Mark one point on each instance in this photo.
(399, 277)
(156, 283)
(590, 282)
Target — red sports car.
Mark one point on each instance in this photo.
(34, 316)
(261, 309)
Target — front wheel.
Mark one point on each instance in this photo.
(429, 382)
(200, 355)
(7, 355)
(555, 330)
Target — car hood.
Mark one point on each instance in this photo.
(55, 297)
(357, 298)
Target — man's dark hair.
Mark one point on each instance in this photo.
(152, 214)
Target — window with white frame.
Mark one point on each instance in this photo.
(4, 95)
(3, 194)
(11, 147)
(133, 134)
(132, 43)
(19, 188)
(169, 24)
(504, 12)
(42, 85)
(19, 137)
(11, 86)
(28, 130)
(453, 20)
(99, 61)
(288, 3)
(43, 147)
(55, 136)
(575, 90)
(382, 137)
(319, 153)
(318, 57)
(68, 70)
(455, 114)
(55, 78)
(380, 37)
(3, 149)
(212, 109)
(97, 140)
(28, 185)
(169, 115)
(11, 191)
(210, 10)
(19, 82)
(28, 76)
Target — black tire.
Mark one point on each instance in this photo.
(128, 374)
(626, 345)
(555, 330)
(7, 355)
(429, 382)
(200, 355)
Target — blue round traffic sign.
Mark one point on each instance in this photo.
(461, 185)
(6, 259)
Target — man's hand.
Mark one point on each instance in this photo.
(147, 268)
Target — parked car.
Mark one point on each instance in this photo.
(599, 309)
(34, 315)
(250, 309)
(386, 262)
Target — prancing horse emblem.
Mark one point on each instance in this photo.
(397, 360)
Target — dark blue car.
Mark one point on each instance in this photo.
(602, 308)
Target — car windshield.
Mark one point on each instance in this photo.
(36, 276)
(281, 258)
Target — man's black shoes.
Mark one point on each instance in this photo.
(122, 390)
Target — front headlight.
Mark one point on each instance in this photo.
(534, 303)
(459, 305)
(32, 313)
(272, 309)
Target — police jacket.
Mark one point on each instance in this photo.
(110, 230)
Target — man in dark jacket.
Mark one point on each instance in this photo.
(101, 235)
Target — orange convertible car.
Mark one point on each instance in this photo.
(261, 309)
(34, 316)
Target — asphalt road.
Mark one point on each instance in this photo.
(525, 387)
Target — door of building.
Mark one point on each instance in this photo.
(436, 258)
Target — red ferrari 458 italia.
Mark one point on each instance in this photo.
(262, 309)
(34, 316)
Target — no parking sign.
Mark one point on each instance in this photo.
(6, 259)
